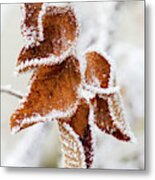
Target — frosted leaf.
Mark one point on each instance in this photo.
(29, 24)
(53, 94)
(72, 148)
(50, 33)
(99, 70)
(110, 117)
(96, 90)
(100, 80)
(80, 126)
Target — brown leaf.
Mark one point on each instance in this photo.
(79, 123)
(77, 139)
(73, 151)
(52, 88)
(109, 116)
(29, 26)
(97, 68)
(60, 30)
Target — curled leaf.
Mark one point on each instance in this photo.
(79, 126)
(110, 118)
(72, 148)
(50, 33)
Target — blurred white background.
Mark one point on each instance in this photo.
(118, 29)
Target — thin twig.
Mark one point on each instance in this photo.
(7, 89)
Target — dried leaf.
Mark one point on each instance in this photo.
(98, 70)
(53, 94)
(72, 148)
(110, 118)
(51, 33)
(80, 127)
(29, 26)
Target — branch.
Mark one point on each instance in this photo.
(8, 90)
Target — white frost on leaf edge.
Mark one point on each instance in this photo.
(29, 33)
(51, 60)
(91, 123)
(53, 115)
(107, 57)
(84, 93)
(79, 146)
(125, 128)
(121, 124)
(105, 91)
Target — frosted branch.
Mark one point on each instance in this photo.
(8, 90)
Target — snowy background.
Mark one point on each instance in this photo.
(118, 29)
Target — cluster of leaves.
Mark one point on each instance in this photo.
(77, 93)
